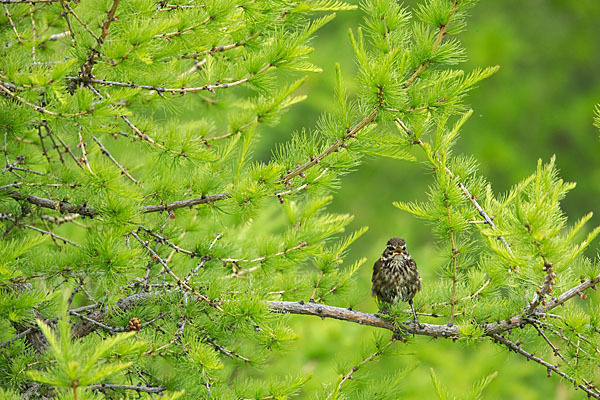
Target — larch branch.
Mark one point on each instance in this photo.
(334, 147)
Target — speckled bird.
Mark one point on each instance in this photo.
(395, 275)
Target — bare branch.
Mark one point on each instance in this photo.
(37, 108)
(97, 323)
(105, 151)
(208, 87)
(184, 203)
(86, 68)
(487, 219)
(67, 208)
(12, 23)
(550, 367)
(574, 291)
(61, 206)
(325, 311)
(138, 388)
(17, 337)
(223, 350)
(52, 234)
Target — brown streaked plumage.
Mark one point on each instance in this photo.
(395, 275)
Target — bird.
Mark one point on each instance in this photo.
(395, 276)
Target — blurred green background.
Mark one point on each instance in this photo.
(540, 103)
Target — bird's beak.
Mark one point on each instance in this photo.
(398, 250)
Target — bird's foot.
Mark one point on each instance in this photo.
(398, 336)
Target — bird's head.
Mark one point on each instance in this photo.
(396, 245)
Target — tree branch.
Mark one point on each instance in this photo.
(67, 208)
(335, 146)
(445, 331)
(184, 203)
(146, 389)
(438, 40)
(530, 356)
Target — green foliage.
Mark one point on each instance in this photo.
(131, 135)
(75, 365)
(475, 393)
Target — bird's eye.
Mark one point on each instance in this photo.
(404, 248)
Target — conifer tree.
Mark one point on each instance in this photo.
(145, 250)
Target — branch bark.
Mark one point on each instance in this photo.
(68, 208)
(432, 330)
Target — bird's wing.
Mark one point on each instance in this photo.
(376, 268)
(412, 265)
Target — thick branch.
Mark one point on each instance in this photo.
(61, 206)
(344, 314)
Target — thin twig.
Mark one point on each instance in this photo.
(52, 234)
(33, 32)
(488, 220)
(54, 145)
(208, 87)
(223, 350)
(160, 316)
(550, 367)
(86, 68)
(138, 388)
(454, 264)
(540, 294)
(38, 108)
(203, 260)
(301, 187)
(164, 240)
(105, 151)
(182, 31)
(27, 1)
(180, 283)
(17, 337)
(97, 323)
(12, 24)
(65, 14)
(355, 368)
(440, 36)
(83, 151)
(83, 24)
(331, 149)
(184, 203)
(259, 259)
(555, 349)
(68, 151)
(141, 135)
